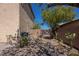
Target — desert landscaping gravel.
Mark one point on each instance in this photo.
(38, 47)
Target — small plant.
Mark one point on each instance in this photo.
(24, 39)
(12, 40)
(36, 26)
(70, 36)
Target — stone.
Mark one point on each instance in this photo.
(36, 48)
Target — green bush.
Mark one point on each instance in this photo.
(23, 41)
(36, 26)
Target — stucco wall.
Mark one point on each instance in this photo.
(9, 20)
(26, 22)
(14, 17)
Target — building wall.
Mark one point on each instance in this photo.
(28, 9)
(14, 17)
(72, 27)
(26, 18)
(9, 20)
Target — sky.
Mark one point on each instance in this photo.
(37, 10)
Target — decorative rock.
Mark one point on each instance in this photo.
(36, 48)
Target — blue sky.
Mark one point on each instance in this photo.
(38, 15)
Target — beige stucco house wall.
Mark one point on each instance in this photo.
(14, 17)
(26, 18)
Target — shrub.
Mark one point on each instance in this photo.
(36, 26)
(24, 39)
(70, 36)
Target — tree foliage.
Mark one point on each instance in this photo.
(36, 26)
(57, 14)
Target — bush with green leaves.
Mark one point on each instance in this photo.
(24, 39)
(36, 26)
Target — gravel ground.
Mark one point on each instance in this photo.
(39, 47)
(3, 46)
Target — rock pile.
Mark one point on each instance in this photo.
(35, 48)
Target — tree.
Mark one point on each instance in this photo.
(54, 16)
(36, 26)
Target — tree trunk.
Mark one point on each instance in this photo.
(53, 33)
